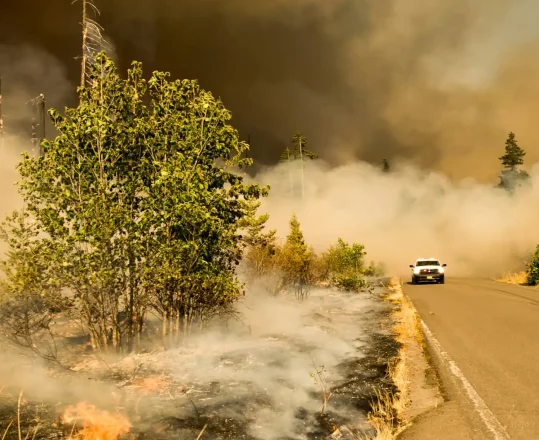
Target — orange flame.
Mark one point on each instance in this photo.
(96, 424)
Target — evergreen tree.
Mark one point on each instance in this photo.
(511, 176)
(297, 152)
(514, 154)
(297, 259)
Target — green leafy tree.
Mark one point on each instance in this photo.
(139, 196)
(297, 153)
(512, 176)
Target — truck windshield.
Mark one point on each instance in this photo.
(428, 263)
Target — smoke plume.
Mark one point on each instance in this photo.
(477, 229)
(435, 86)
(439, 83)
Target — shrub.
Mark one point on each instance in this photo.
(532, 270)
(345, 265)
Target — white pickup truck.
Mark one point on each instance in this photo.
(428, 269)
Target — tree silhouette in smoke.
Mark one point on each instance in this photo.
(297, 152)
(512, 176)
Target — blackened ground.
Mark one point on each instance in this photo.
(229, 405)
(33, 415)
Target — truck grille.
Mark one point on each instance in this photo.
(428, 271)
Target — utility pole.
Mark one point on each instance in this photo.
(38, 107)
(42, 123)
(34, 138)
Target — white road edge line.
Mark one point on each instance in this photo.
(489, 419)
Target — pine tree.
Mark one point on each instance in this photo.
(514, 154)
(296, 259)
(297, 152)
(511, 176)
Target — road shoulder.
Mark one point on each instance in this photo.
(438, 408)
(454, 418)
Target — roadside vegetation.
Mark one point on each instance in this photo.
(389, 411)
(528, 277)
(139, 205)
(519, 278)
(511, 178)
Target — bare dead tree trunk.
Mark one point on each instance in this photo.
(84, 45)
(92, 39)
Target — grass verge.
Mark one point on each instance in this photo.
(388, 414)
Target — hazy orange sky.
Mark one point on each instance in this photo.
(439, 83)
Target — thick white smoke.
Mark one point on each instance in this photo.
(475, 228)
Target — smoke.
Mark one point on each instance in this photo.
(441, 84)
(34, 379)
(27, 72)
(254, 376)
(478, 230)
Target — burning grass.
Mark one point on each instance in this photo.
(91, 423)
(250, 381)
(520, 278)
(82, 421)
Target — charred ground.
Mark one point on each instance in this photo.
(165, 398)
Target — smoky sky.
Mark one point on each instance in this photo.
(363, 79)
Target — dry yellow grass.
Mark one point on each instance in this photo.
(513, 278)
(387, 415)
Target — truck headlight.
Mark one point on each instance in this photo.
(441, 270)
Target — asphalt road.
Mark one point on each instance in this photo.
(491, 333)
